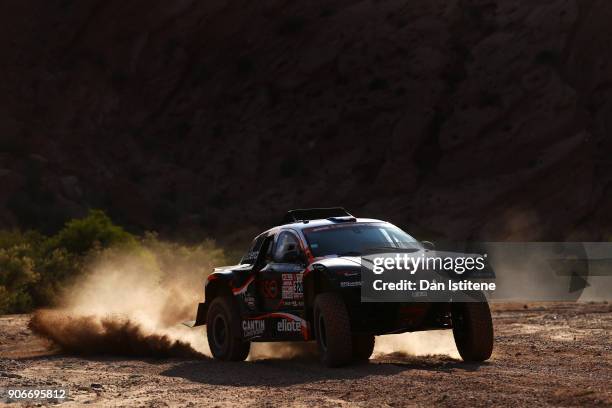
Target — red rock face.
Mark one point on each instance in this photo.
(464, 120)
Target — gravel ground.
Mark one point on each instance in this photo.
(545, 354)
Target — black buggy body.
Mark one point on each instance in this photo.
(301, 281)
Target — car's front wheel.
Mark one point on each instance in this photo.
(333, 330)
(223, 331)
(473, 330)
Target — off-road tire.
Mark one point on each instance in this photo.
(333, 330)
(473, 330)
(363, 346)
(223, 331)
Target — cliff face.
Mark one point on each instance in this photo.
(464, 119)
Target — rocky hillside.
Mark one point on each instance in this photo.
(485, 119)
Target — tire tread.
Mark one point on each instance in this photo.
(475, 345)
(337, 328)
(238, 349)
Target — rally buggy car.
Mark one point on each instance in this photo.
(300, 281)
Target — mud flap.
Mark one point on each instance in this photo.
(200, 316)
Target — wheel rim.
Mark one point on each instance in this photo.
(322, 334)
(220, 331)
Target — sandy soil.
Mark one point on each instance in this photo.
(546, 354)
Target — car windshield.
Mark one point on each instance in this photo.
(357, 239)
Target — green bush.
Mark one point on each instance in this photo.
(57, 268)
(34, 267)
(17, 275)
(96, 230)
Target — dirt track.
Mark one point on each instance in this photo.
(556, 354)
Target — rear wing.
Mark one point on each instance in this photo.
(307, 214)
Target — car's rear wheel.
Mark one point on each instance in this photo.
(223, 331)
(333, 330)
(473, 330)
(363, 346)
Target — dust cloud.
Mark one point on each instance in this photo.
(89, 335)
(426, 343)
(284, 350)
(133, 302)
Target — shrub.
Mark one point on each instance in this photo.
(36, 269)
(96, 230)
(17, 276)
(57, 269)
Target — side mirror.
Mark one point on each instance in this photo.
(428, 245)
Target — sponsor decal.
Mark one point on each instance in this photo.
(249, 300)
(270, 288)
(292, 288)
(292, 323)
(251, 328)
(286, 325)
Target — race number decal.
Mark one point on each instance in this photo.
(292, 290)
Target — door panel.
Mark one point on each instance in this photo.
(279, 286)
(279, 283)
